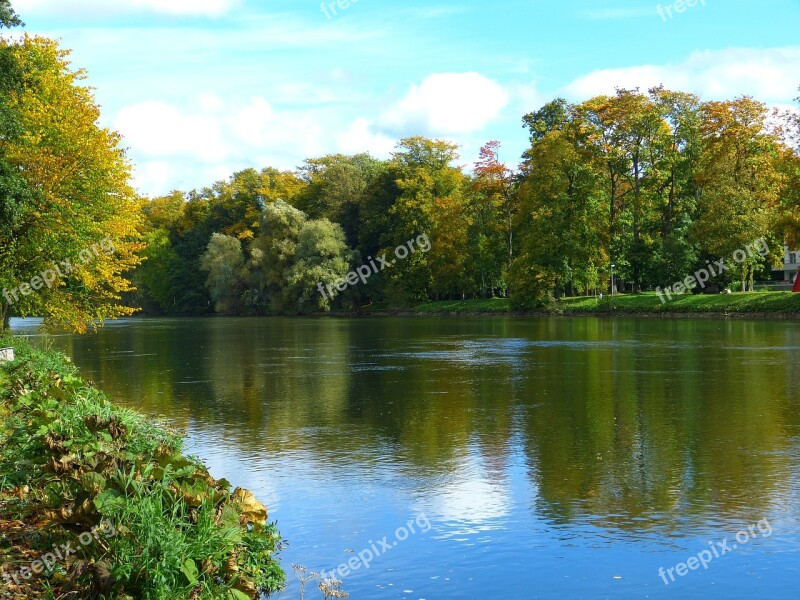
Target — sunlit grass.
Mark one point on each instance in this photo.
(749, 302)
(779, 303)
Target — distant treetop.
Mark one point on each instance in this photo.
(8, 18)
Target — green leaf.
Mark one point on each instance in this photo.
(237, 595)
(189, 569)
(108, 501)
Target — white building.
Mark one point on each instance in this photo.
(791, 262)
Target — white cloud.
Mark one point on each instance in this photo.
(713, 74)
(153, 175)
(360, 138)
(212, 8)
(446, 103)
(526, 96)
(252, 124)
(157, 129)
(188, 143)
(194, 146)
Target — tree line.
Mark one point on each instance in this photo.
(656, 183)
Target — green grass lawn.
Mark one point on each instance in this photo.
(647, 303)
(480, 305)
(753, 302)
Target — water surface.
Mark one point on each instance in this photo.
(541, 458)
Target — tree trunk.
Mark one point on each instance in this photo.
(637, 209)
(5, 317)
(510, 240)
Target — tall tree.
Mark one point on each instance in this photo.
(739, 180)
(561, 217)
(493, 211)
(64, 188)
(426, 179)
(227, 275)
(674, 164)
(603, 136)
(643, 137)
(274, 252)
(633, 135)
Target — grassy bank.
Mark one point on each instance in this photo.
(755, 304)
(99, 502)
(779, 304)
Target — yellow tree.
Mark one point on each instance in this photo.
(789, 220)
(493, 210)
(448, 256)
(431, 190)
(66, 243)
(738, 179)
(601, 132)
(631, 134)
(788, 225)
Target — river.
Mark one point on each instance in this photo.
(490, 457)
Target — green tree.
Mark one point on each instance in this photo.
(274, 252)
(155, 278)
(602, 135)
(553, 116)
(630, 132)
(173, 282)
(337, 187)
(8, 18)
(375, 220)
(322, 257)
(674, 166)
(227, 274)
(425, 177)
(561, 241)
(789, 164)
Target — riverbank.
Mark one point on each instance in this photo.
(754, 305)
(97, 500)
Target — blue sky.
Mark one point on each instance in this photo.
(201, 88)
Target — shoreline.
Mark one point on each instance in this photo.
(749, 305)
(754, 306)
(758, 316)
(412, 314)
(140, 517)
